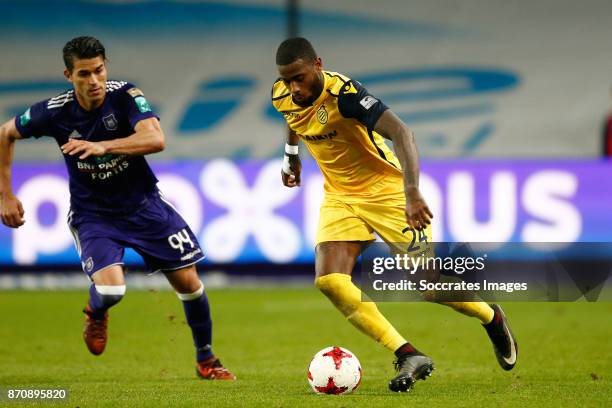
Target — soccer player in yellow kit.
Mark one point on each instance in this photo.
(368, 189)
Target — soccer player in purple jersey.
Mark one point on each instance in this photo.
(104, 128)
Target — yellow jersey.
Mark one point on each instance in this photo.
(338, 130)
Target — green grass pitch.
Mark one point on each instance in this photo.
(267, 337)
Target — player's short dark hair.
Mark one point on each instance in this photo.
(293, 49)
(82, 48)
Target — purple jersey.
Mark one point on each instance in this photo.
(107, 184)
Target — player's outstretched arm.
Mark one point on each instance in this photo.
(11, 209)
(418, 214)
(148, 138)
(292, 166)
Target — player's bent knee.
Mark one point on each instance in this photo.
(339, 289)
(110, 295)
(331, 283)
(185, 297)
(185, 280)
(112, 275)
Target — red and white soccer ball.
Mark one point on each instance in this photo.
(334, 370)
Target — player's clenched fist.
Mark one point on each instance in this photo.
(11, 211)
(292, 170)
(418, 214)
(84, 148)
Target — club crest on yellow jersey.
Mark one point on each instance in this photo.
(322, 115)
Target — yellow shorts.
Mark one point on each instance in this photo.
(357, 220)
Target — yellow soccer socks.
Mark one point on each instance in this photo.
(469, 303)
(479, 310)
(339, 288)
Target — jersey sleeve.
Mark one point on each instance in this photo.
(354, 101)
(278, 94)
(34, 121)
(136, 105)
